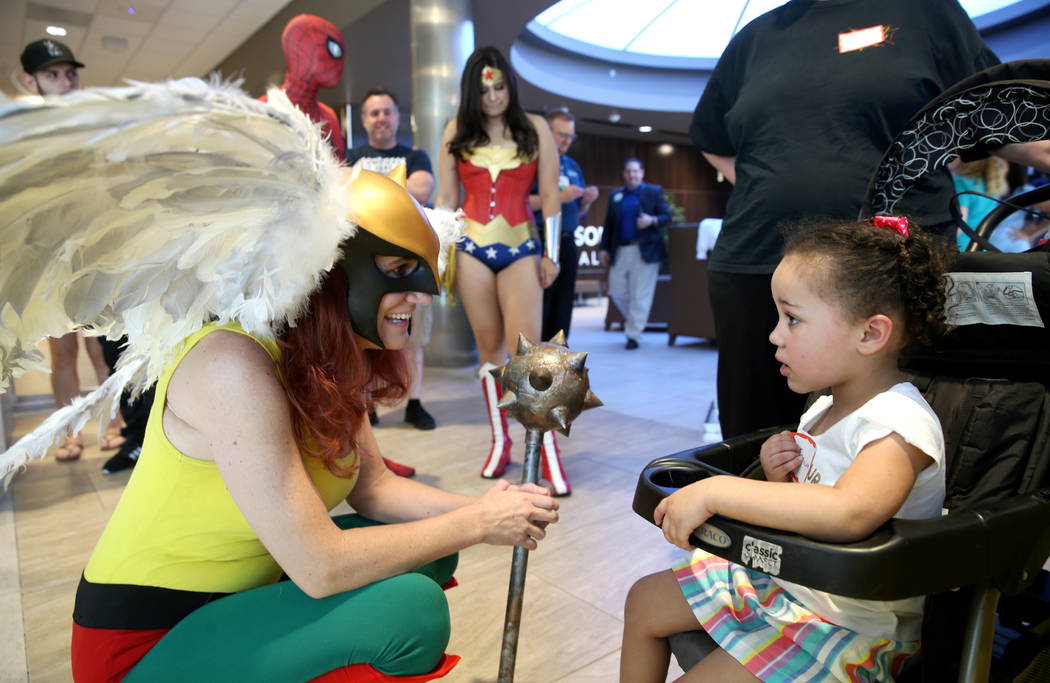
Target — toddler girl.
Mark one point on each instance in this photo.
(849, 298)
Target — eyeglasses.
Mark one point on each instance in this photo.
(565, 136)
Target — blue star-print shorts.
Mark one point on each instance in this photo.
(497, 255)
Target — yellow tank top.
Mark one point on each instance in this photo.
(176, 525)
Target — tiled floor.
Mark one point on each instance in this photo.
(655, 399)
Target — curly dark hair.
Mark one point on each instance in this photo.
(869, 270)
(470, 123)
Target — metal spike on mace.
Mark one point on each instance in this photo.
(545, 386)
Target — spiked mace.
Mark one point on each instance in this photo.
(545, 386)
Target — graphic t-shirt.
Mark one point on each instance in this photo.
(384, 160)
(903, 410)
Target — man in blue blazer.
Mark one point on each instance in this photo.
(633, 243)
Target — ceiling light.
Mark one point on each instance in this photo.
(665, 150)
(645, 129)
(55, 31)
(115, 43)
(614, 117)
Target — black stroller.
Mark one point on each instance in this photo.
(989, 382)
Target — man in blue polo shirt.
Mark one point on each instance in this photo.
(576, 198)
(633, 243)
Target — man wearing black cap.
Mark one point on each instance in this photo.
(50, 68)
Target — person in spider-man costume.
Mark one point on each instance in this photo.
(313, 55)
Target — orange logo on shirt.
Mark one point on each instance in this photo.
(858, 39)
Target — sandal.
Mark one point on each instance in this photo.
(70, 449)
(112, 439)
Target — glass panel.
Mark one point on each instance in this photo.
(607, 23)
(690, 29)
(673, 28)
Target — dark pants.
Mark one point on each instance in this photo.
(135, 412)
(558, 298)
(752, 394)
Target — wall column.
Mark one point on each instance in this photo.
(442, 40)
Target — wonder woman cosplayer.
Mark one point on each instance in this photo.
(495, 150)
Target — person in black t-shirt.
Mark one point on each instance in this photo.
(380, 117)
(797, 113)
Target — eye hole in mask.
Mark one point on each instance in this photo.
(334, 49)
(397, 267)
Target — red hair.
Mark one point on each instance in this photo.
(328, 377)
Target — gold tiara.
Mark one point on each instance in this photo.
(490, 75)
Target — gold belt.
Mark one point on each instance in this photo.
(498, 230)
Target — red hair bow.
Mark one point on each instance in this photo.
(898, 224)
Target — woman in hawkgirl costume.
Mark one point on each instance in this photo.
(263, 289)
(494, 150)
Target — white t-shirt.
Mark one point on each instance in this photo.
(903, 410)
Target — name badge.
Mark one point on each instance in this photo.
(862, 38)
(618, 197)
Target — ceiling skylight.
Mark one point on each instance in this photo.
(671, 28)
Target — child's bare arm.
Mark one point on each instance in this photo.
(865, 496)
(780, 456)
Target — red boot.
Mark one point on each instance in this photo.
(552, 469)
(499, 454)
(399, 469)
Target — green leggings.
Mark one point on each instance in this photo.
(278, 633)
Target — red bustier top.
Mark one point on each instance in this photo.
(508, 194)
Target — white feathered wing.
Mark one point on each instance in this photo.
(149, 211)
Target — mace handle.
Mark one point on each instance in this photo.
(518, 566)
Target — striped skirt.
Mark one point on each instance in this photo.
(775, 638)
